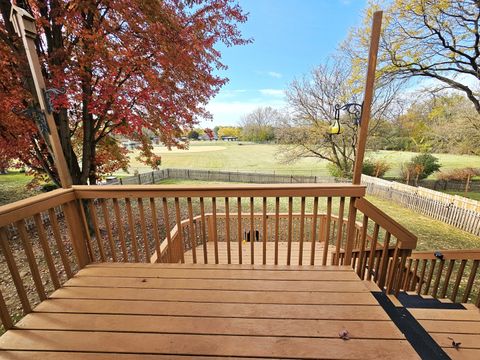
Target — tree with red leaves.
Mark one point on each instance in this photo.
(209, 132)
(127, 66)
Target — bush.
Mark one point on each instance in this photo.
(49, 187)
(376, 168)
(458, 174)
(420, 167)
(368, 167)
(338, 172)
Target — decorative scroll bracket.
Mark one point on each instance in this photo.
(353, 109)
(49, 94)
(36, 115)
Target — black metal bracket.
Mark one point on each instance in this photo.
(49, 94)
(353, 109)
(36, 115)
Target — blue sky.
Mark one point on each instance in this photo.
(290, 38)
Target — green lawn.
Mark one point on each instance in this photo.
(13, 187)
(474, 195)
(264, 157)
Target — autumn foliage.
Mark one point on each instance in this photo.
(127, 66)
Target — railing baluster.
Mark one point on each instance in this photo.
(4, 314)
(53, 218)
(131, 226)
(59, 241)
(339, 231)
(302, 230)
(277, 227)
(204, 231)
(407, 274)
(214, 228)
(32, 263)
(429, 277)
(314, 231)
(178, 217)
(166, 220)
(156, 233)
(384, 261)
(460, 271)
(400, 271)
(361, 258)
(422, 276)
(143, 227)
(93, 215)
(46, 250)
(289, 230)
(192, 230)
(239, 229)
(106, 219)
(253, 234)
(392, 266)
(327, 231)
(438, 277)
(446, 282)
(227, 232)
(373, 251)
(471, 279)
(121, 233)
(12, 266)
(264, 230)
(412, 283)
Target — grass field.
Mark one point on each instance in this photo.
(264, 157)
(474, 195)
(13, 187)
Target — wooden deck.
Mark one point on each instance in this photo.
(446, 326)
(146, 311)
(258, 253)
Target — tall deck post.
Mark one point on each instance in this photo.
(363, 128)
(24, 25)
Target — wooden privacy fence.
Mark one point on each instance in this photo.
(454, 210)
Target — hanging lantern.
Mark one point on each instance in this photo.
(353, 109)
(335, 128)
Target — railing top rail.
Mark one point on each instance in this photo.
(229, 190)
(473, 254)
(405, 237)
(33, 205)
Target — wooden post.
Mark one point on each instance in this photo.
(24, 25)
(363, 129)
(368, 96)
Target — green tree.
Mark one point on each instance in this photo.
(229, 131)
(259, 125)
(426, 39)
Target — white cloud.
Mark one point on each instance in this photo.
(272, 92)
(231, 112)
(274, 74)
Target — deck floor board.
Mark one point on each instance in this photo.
(206, 311)
(448, 325)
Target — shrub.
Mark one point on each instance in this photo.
(458, 174)
(376, 168)
(368, 167)
(49, 187)
(338, 172)
(420, 167)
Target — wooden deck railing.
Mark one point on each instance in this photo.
(445, 274)
(87, 224)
